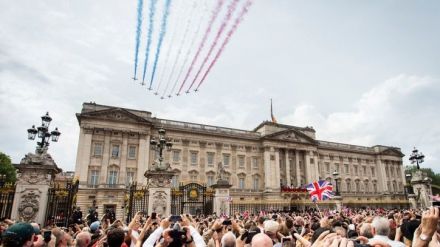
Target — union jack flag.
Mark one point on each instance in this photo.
(320, 190)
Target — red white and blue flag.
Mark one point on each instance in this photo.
(320, 190)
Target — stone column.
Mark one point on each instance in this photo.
(84, 154)
(267, 170)
(159, 192)
(307, 168)
(105, 158)
(277, 167)
(123, 157)
(381, 176)
(143, 157)
(287, 167)
(222, 199)
(298, 169)
(36, 172)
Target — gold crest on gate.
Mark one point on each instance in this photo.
(193, 194)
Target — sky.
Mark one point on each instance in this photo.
(359, 72)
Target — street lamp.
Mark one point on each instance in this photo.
(159, 145)
(43, 133)
(335, 175)
(416, 157)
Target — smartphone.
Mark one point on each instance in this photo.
(47, 235)
(285, 242)
(227, 222)
(153, 216)
(175, 218)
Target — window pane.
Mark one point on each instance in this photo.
(176, 155)
(98, 149)
(241, 183)
(241, 161)
(254, 163)
(210, 159)
(115, 151)
(194, 158)
(132, 152)
(225, 159)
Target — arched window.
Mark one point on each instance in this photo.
(358, 186)
(348, 185)
(367, 187)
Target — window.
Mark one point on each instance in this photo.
(176, 155)
(375, 188)
(130, 177)
(346, 168)
(372, 171)
(348, 183)
(327, 167)
(94, 177)
(226, 160)
(97, 149)
(112, 177)
(241, 183)
(241, 161)
(364, 168)
(255, 163)
(175, 181)
(210, 159)
(210, 180)
(355, 170)
(337, 167)
(256, 185)
(358, 186)
(312, 161)
(367, 187)
(193, 177)
(193, 158)
(115, 151)
(132, 152)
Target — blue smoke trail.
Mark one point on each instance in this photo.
(138, 35)
(150, 33)
(161, 36)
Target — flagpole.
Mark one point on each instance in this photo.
(320, 213)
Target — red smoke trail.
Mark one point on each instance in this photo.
(244, 10)
(202, 44)
(231, 9)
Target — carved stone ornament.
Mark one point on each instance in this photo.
(159, 179)
(159, 202)
(34, 177)
(37, 159)
(29, 206)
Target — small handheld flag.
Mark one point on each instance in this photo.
(320, 190)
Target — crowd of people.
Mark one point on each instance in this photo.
(311, 228)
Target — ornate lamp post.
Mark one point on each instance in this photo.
(417, 158)
(159, 145)
(43, 133)
(335, 175)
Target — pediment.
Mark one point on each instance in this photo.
(116, 114)
(291, 135)
(392, 152)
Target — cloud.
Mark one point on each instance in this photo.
(398, 112)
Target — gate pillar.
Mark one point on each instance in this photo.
(35, 175)
(159, 189)
(222, 199)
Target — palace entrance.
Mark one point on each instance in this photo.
(193, 198)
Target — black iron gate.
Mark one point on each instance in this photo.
(7, 192)
(193, 198)
(60, 202)
(137, 201)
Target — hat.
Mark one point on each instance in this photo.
(20, 232)
(94, 226)
(271, 226)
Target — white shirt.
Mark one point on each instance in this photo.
(387, 240)
(134, 234)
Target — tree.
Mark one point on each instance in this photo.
(6, 168)
(429, 172)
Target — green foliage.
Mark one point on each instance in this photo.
(434, 176)
(7, 168)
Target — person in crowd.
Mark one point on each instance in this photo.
(18, 235)
(83, 239)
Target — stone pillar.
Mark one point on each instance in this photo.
(84, 154)
(381, 176)
(421, 184)
(289, 182)
(36, 172)
(277, 167)
(298, 169)
(267, 170)
(307, 167)
(222, 199)
(143, 157)
(159, 191)
(338, 202)
(412, 201)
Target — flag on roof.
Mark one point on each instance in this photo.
(320, 190)
(271, 113)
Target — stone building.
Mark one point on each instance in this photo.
(114, 150)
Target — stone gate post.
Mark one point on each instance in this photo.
(35, 175)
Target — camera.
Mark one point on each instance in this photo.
(47, 236)
(174, 218)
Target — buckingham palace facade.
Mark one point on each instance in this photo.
(264, 165)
